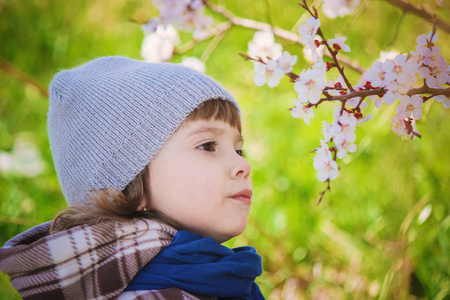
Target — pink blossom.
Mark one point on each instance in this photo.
(381, 73)
(410, 107)
(286, 62)
(423, 39)
(433, 55)
(398, 125)
(327, 168)
(310, 85)
(338, 43)
(343, 146)
(405, 69)
(435, 73)
(308, 30)
(338, 8)
(268, 72)
(302, 111)
(186, 15)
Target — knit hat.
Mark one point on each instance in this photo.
(109, 117)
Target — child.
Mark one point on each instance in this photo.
(149, 157)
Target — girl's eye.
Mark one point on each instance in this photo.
(209, 147)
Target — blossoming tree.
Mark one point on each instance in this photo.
(406, 80)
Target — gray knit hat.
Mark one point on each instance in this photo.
(109, 117)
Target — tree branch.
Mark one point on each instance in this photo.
(290, 36)
(427, 90)
(420, 12)
(9, 69)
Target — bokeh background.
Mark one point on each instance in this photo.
(382, 233)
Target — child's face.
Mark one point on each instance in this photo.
(200, 180)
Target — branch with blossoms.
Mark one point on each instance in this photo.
(407, 80)
(386, 82)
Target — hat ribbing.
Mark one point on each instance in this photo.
(109, 117)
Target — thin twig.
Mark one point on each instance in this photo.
(420, 12)
(427, 90)
(218, 30)
(22, 77)
(19, 221)
(397, 27)
(324, 191)
(290, 36)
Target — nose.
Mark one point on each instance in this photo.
(241, 168)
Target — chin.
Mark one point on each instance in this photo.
(231, 233)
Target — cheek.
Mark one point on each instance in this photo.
(181, 183)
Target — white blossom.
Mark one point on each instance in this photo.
(269, 72)
(309, 86)
(158, 46)
(380, 74)
(339, 43)
(445, 100)
(410, 107)
(398, 125)
(435, 72)
(308, 30)
(327, 168)
(338, 8)
(343, 145)
(286, 62)
(302, 111)
(194, 63)
(24, 160)
(186, 15)
(312, 53)
(263, 45)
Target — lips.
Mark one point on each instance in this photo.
(244, 196)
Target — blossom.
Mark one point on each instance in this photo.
(404, 69)
(327, 168)
(444, 99)
(185, 15)
(194, 63)
(338, 43)
(380, 74)
(385, 55)
(308, 30)
(422, 40)
(312, 53)
(158, 46)
(398, 125)
(309, 86)
(24, 160)
(404, 126)
(302, 111)
(270, 72)
(286, 62)
(343, 145)
(338, 8)
(263, 45)
(410, 107)
(435, 73)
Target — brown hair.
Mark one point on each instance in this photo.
(111, 205)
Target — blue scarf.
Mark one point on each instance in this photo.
(202, 266)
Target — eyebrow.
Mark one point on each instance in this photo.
(214, 130)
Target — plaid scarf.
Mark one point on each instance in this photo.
(85, 262)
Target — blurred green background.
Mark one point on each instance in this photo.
(382, 233)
